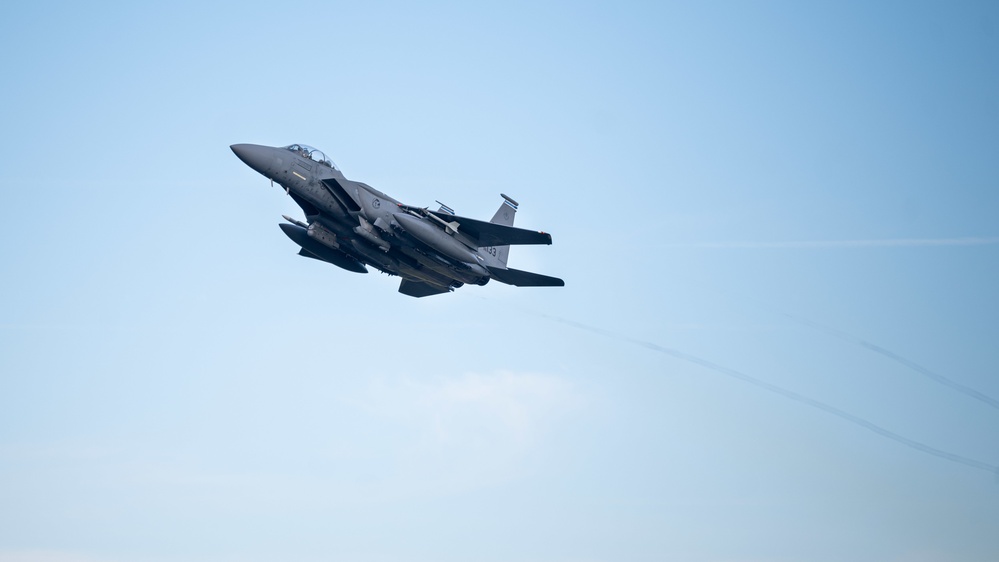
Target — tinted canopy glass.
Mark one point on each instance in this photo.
(316, 155)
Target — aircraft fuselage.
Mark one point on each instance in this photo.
(350, 224)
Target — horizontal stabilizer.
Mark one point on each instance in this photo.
(524, 278)
(492, 234)
(419, 289)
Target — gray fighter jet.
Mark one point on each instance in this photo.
(350, 224)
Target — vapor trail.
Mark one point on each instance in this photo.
(966, 390)
(877, 243)
(856, 420)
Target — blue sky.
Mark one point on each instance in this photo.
(763, 186)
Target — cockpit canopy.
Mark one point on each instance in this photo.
(313, 154)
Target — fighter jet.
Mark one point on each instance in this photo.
(353, 225)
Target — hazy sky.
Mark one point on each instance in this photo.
(777, 223)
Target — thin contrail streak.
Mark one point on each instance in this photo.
(966, 390)
(967, 461)
(877, 243)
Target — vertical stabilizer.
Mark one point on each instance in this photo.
(504, 216)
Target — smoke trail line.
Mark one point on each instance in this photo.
(954, 385)
(879, 243)
(842, 414)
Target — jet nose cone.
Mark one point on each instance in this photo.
(260, 158)
(239, 149)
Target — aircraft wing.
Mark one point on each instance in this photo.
(420, 289)
(520, 278)
(491, 234)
